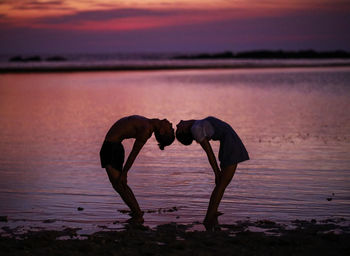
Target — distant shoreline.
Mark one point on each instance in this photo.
(162, 66)
(172, 61)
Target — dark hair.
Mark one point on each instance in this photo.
(185, 138)
(164, 139)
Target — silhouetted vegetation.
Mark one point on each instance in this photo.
(56, 58)
(266, 54)
(27, 59)
(35, 59)
(159, 62)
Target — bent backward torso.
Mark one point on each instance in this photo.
(137, 127)
(232, 149)
(112, 151)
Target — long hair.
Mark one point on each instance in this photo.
(185, 138)
(164, 139)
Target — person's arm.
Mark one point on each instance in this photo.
(138, 144)
(211, 157)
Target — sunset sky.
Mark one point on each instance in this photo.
(65, 26)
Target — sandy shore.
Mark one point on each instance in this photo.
(328, 237)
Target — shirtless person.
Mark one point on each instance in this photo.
(112, 153)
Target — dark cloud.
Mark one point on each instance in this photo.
(37, 5)
(295, 31)
(105, 15)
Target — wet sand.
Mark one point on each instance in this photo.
(329, 237)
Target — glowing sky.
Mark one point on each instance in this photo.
(180, 25)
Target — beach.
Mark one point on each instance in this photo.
(243, 238)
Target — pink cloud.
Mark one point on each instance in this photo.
(125, 19)
(179, 29)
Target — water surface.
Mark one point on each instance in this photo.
(295, 124)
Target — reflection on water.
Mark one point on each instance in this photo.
(294, 123)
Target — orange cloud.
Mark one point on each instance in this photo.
(40, 8)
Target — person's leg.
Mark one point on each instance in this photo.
(217, 194)
(125, 193)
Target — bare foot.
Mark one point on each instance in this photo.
(212, 225)
(217, 214)
(136, 220)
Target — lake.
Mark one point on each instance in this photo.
(294, 122)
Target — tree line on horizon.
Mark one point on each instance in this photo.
(270, 54)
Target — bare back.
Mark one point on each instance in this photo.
(137, 127)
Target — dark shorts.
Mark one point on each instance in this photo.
(112, 153)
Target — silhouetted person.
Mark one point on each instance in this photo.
(231, 152)
(112, 153)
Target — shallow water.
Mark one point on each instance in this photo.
(295, 124)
